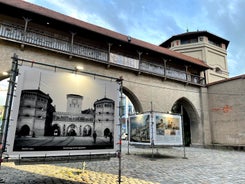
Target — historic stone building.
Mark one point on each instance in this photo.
(32, 113)
(206, 46)
(36, 109)
(154, 77)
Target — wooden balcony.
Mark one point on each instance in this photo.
(62, 44)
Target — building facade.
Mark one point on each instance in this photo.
(154, 77)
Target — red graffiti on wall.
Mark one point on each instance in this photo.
(225, 109)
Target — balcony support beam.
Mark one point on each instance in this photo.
(27, 20)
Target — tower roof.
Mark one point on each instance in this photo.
(74, 96)
(38, 93)
(103, 100)
(195, 34)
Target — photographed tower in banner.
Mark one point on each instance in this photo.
(205, 46)
(74, 103)
(104, 117)
(32, 113)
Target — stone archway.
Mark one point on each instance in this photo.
(56, 130)
(135, 101)
(72, 130)
(191, 121)
(24, 131)
(106, 132)
(87, 130)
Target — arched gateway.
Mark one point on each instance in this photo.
(190, 119)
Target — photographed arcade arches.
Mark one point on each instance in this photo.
(56, 130)
(24, 131)
(87, 130)
(190, 120)
(72, 130)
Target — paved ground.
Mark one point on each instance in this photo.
(165, 165)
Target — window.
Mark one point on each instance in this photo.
(218, 70)
(107, 105)
(187, 41)
(214, 43)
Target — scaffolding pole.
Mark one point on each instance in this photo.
(8, 103)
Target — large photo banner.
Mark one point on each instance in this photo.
(168, 129)
(60, 113)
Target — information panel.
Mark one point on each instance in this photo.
(155, 129)
(168, 129)
(59, 113)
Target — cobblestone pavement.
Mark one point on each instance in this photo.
(140, 166)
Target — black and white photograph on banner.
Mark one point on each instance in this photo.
(140, 128)
(57, 110)
(168, 129)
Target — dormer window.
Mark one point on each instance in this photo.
(218, 70)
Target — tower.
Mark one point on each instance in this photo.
(32, 113)
(74, 103)
(104, 116)
(204, 46)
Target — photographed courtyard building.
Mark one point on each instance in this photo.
(182, 74)
(33, 116)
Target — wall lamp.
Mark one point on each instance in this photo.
(79, 68)
(5, 73)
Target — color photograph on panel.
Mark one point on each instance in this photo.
(140, 128)
(168, 129)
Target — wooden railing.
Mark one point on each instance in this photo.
(51, 41)
(63, 44)
(170, 72)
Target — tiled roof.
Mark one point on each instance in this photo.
(106, 32)
(226, 80)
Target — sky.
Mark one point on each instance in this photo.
(155, 21)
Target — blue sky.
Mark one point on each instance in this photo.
(155, 21)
